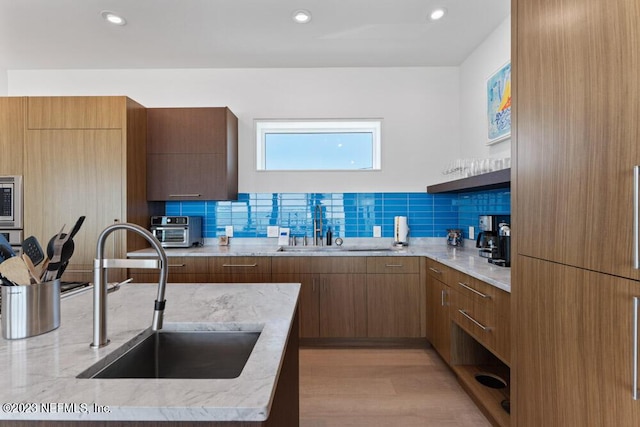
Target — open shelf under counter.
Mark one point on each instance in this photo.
(486, 181)
(488, 399)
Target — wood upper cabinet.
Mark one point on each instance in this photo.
(395, 298)
(12, 125)
(95, 172)
(573, 350)
(193, 154)
(576, 131)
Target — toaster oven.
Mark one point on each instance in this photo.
(177, 231)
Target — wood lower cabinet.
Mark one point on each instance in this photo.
(12, 126)
(193, 154)
(438, 299)
(332, 302)
(395, 298)
(239, 269)
(85, 156)
(181, 270)
(483, 311)
(573, 347)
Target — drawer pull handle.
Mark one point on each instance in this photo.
(435, 270)
(636, 302)
(177, 265)
(480, 294)
(185, 195)
(393, 265)
(478, 324)
(239, 265)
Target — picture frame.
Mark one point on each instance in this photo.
(499, 105)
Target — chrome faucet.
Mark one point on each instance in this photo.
(317, 226)
(100, 266)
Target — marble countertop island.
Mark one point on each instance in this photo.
(38, 374)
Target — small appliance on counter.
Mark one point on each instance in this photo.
(177, 231)
(400, 231)
(503, 258)
(454, 237)
(487, 240)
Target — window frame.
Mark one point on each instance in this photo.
(265, 126)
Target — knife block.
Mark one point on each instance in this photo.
(30, 310)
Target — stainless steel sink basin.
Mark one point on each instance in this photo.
(178, 354)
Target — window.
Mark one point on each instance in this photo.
(318, 145)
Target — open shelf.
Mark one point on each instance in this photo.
(486, 181)
(488, 399)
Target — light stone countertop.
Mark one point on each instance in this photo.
(464, 259)
(42, 370)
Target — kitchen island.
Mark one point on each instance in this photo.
(38, 381)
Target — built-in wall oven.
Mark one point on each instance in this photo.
(11, 218)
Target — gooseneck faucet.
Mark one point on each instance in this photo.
(100, 266)
(317, 226)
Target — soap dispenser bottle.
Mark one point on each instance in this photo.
(329, 237)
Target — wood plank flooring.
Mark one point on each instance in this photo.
(380, 388)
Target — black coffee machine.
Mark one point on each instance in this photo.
(503, 258)
(487, 240)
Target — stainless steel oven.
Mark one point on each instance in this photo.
(11, 202)
(177, 231)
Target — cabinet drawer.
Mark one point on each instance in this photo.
(336, 264)
(240, 265)
(472, 287)
(438, 271)
(291, 265)
(180, 265)
(477, 319)
(393, 264)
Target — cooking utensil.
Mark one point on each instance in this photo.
(32, 248)
(5, 249)
(58, 264)
(31, 268)
(15, 270)
(57, 243)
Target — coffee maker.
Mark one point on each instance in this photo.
(487, 240)
(503, 258)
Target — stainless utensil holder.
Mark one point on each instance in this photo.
(30, 310)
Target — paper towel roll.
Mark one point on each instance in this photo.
(400, 229)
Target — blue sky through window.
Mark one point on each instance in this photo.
(319, 151)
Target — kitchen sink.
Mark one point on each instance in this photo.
(178, 354)
(334, 249)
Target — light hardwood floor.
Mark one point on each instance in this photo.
(381, 387)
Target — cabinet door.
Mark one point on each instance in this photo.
(393, 305)
(439, 294)
(577, 108)
(308, 301)
(187, 130)
(342, 305)
(12, 123)
(572, 360)
(69, 173)
(76, 112)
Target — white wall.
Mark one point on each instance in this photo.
(419, 107)
(492, 54)
(4, 82)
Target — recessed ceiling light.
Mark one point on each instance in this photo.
(113, 18)
(437, 13)
(301, 16)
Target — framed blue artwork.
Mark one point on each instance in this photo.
(499, 105)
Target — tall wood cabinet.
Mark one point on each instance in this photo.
(85, 156)
(193, 154)
(12, 124)
(576, 133)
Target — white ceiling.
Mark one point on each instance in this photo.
(71, 34)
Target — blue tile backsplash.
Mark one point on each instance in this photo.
(347, 214)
